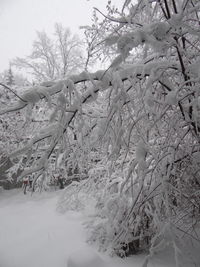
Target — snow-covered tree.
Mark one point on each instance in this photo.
(10, 77)
(53, 57)
(140, 118)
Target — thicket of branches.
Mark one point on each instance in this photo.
(134, 127)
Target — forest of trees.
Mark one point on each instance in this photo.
(132, 127)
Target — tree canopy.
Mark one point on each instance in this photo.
(53, 57)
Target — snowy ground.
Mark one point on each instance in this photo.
(33, 234)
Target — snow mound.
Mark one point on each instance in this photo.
(85, 257)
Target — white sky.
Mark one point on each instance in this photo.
(19, 20)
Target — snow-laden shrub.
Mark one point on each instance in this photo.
(119, 228)
(138, 221)
(123, 222)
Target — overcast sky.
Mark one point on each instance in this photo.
(19, 20)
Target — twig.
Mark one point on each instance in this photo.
(7, 87)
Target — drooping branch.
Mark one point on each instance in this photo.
(104, 77)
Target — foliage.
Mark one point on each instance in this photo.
(140, 117)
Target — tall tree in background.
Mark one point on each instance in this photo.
(9, 77)
(53, 58)
(140, 116)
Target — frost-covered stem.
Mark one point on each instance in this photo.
(174, 6)
(14, 108)
(165, 184)
(30, 171)
(7, 87)
(35, 140)
(121, 20)
(167, 9)
(162, 8)
(35, 180)
(186, 77)
(195, 12)
(185, 4)
(187, 233)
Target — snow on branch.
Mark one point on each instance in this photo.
(46, 90)
(43, 134)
